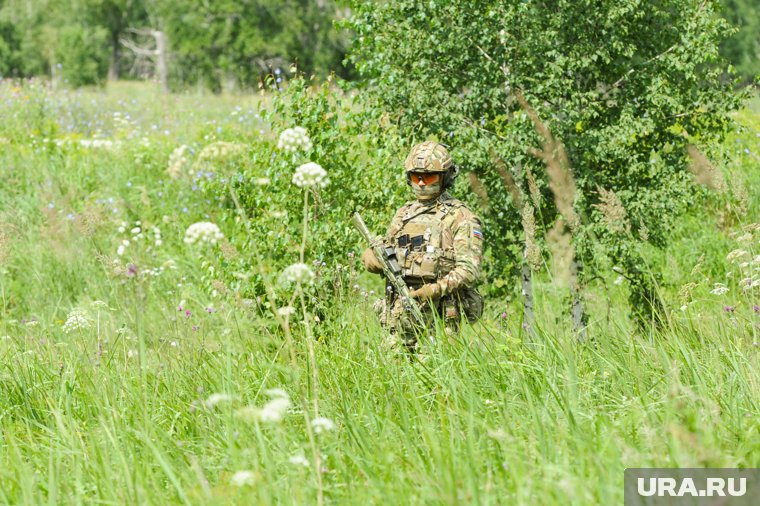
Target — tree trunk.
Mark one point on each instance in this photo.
(577, 310)
(527, 293)
(162, 65)
(114, 66)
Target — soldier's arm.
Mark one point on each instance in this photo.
(468, 251)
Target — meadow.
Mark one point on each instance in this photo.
(145, 365)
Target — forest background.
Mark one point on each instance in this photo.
(222, 45)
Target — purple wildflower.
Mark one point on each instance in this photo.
(188, 313)
(729, 309)
(131, 270)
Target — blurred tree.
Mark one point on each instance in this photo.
(229, 44)
(742, 49)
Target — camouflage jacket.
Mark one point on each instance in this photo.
(438, 241)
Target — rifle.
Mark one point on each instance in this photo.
(387, 258)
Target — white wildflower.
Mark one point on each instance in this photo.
(310, 174)
(322, 424)
(218, 152)
(135, 230)
(277, 393)
(294, 139)
(736, 254)
(203, 231)
(261, 181)
(684, 307)
(77, 319)
(274, 410)
(286, 311)
(746, 238)
(299, 460)
(131, 353)
(177, 161)
(618, 280)
(299, 274)
(120, 250)
(243, 478)
(215, 399)
(719, 289)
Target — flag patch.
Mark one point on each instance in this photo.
(477, 233)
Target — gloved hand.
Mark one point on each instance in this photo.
(370, 262)
(429, 291)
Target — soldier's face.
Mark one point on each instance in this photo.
(426, 185)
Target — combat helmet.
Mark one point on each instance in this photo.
(431, 156)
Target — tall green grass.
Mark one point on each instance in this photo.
(119, 413)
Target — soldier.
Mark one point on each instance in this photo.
(438, 243)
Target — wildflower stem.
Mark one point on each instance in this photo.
(305, 223)
(267, 285)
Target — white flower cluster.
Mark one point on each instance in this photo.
(138, 234)
(294, 139)
(177, 161)
(737, 255)
(203, 231)
(243, 479)
(286, 311)
(297, 274)
(220, 151)
(76, 320)
(214, 399)
(719, 289)
(299, 459)
(322, 424)
(272, 412)
(310, 174)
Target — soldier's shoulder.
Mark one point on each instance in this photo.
(405, 207)
(461, 210)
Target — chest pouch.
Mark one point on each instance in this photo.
(413, 243)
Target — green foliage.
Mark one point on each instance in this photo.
(81, 56)
(359, 156)
(484, 419)
(228, 44)
(9, 50)
(623, 86)
(742, 49)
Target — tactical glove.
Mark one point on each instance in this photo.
(370, 262)
(429, 291)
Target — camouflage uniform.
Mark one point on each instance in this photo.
(437, 240)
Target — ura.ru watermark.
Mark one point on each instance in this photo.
(692, 486)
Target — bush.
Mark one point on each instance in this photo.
(81, 53)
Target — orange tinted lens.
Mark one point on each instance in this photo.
(425, 177)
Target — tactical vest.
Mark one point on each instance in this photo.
(424, 242)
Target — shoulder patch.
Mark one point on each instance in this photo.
(477, 233)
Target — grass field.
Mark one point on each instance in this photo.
(155, 386)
